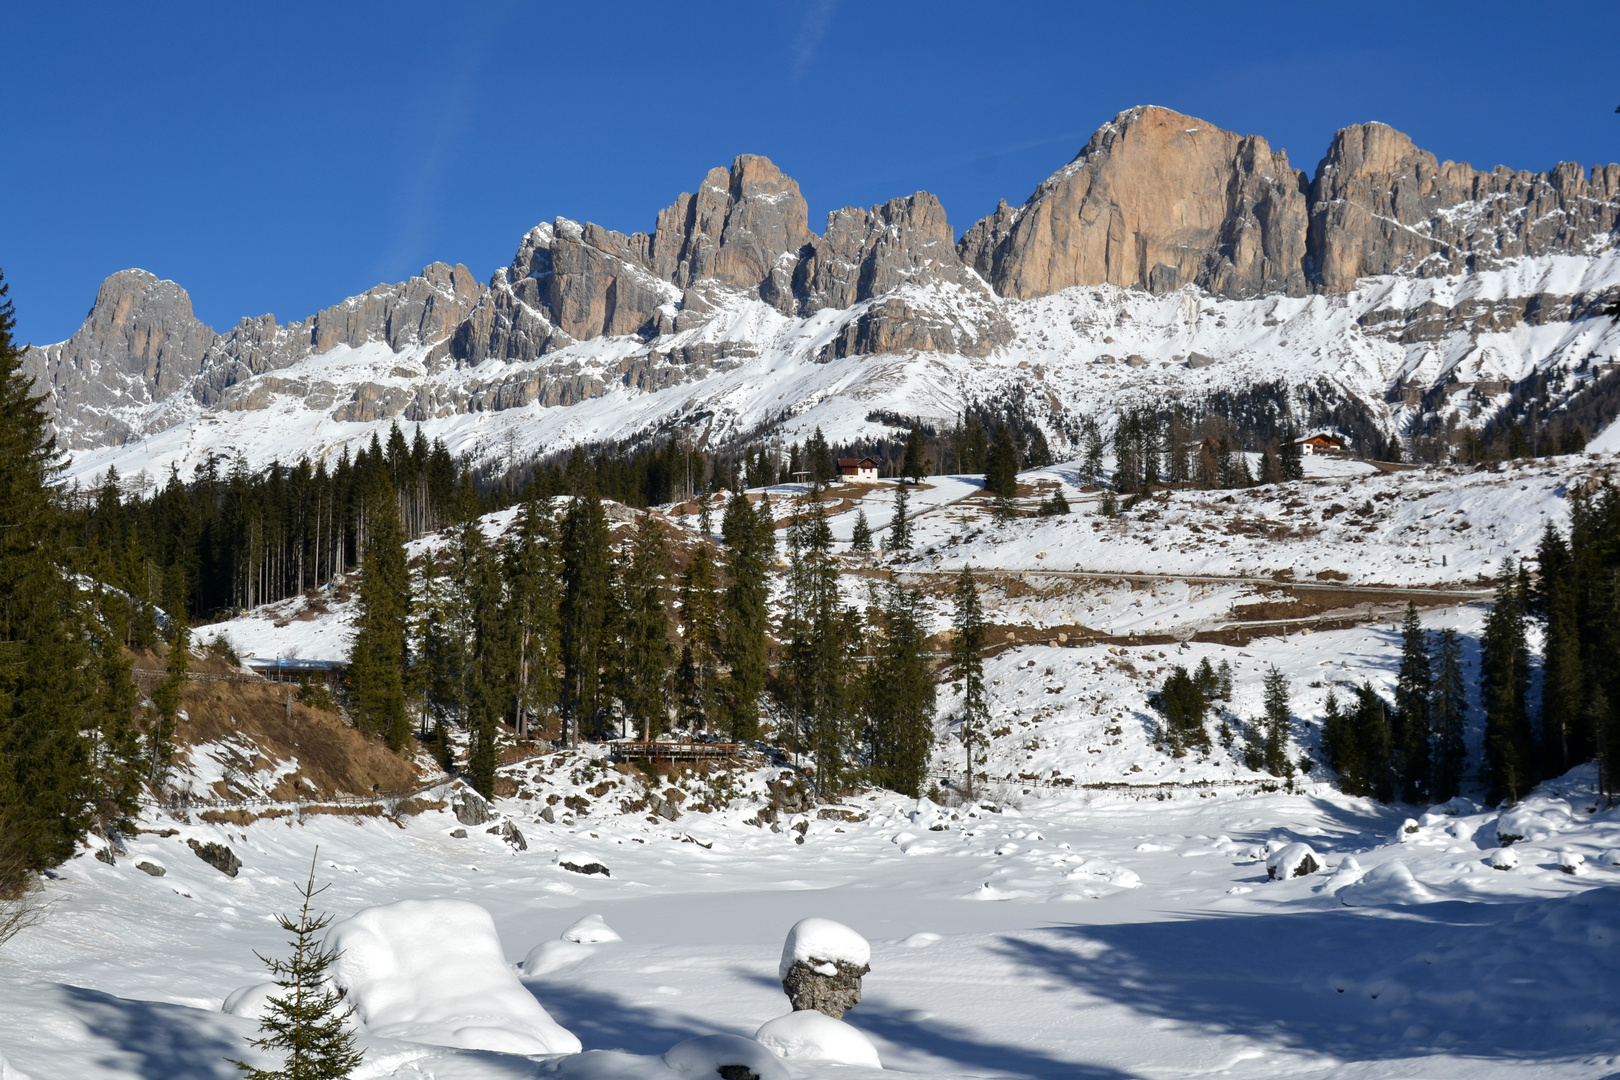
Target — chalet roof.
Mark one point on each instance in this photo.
(856, 463)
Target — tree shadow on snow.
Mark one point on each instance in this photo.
(606, 1022)
(1509, 980)
(167, 1042)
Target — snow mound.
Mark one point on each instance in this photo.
(249, 1002)
(433, 971)
(920, 940)
(1391, 883)
(1292, 861)
(1504, 859)
(706, 1055)
(1101, 870)
(823, 945)
(591, 930)
(1570, 862)
(1533, 819)
(549, 956)
(808, 1035)
(8, 1071)
(1348, 873)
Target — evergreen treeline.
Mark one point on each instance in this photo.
(240, 539)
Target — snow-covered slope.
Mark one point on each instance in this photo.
(1084, 352)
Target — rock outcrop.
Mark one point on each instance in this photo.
(1156, 200)
(1379, 205)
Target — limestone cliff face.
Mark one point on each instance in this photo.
(1156, 200)
(139, 344)
(1379, 205)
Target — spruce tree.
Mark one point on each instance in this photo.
(1001, 470)
(116, 772)
(489, 679)
(821, 464)
(1376, 744)
(1563, 683)
(1450, 713)
(860, 540)
(1510, 765)
(47, 682)
(1092, 472)
(166, 697)
(584, 610)
(915, 464)
(817, 630)
(644, 652)
(899, 537)
(967, 664)
(1413, 717)
(1184, 708)
(533, 594)
(900, 698)
(701, 641)
(307, 1023)
(1278, 720)
(377, 658)
(1341, 746)
(750, 537)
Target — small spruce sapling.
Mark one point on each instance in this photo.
(307, 1022)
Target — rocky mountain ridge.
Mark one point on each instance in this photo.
(1156, 201)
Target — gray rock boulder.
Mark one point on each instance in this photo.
(471, 808)
(217, 855)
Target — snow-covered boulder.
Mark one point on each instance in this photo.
(553, 955)
(1571, 862)
(822, 964)
(1348, 873)
(8, 1071)
(433, 971)
(249, 1002)
(591, 930)
(1292, 861)
(1390, 883)
(807, 1035)
(1504, 859)
(726, 1056)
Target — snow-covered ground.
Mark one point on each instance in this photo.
(1101, 910)
(1080, 934)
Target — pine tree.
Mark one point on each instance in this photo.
(583, 613)
(307, 1022)
(750, 536)
(860, 540)
(915, 465)
(1450, 718)
(1413, 719)
(899, 537)
(1278, 720)
(1510, 766)
(377, 659)
(115, 756)
(967, 664)
(900, 696)
(1292, 458)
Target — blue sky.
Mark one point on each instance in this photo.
(281, 157)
